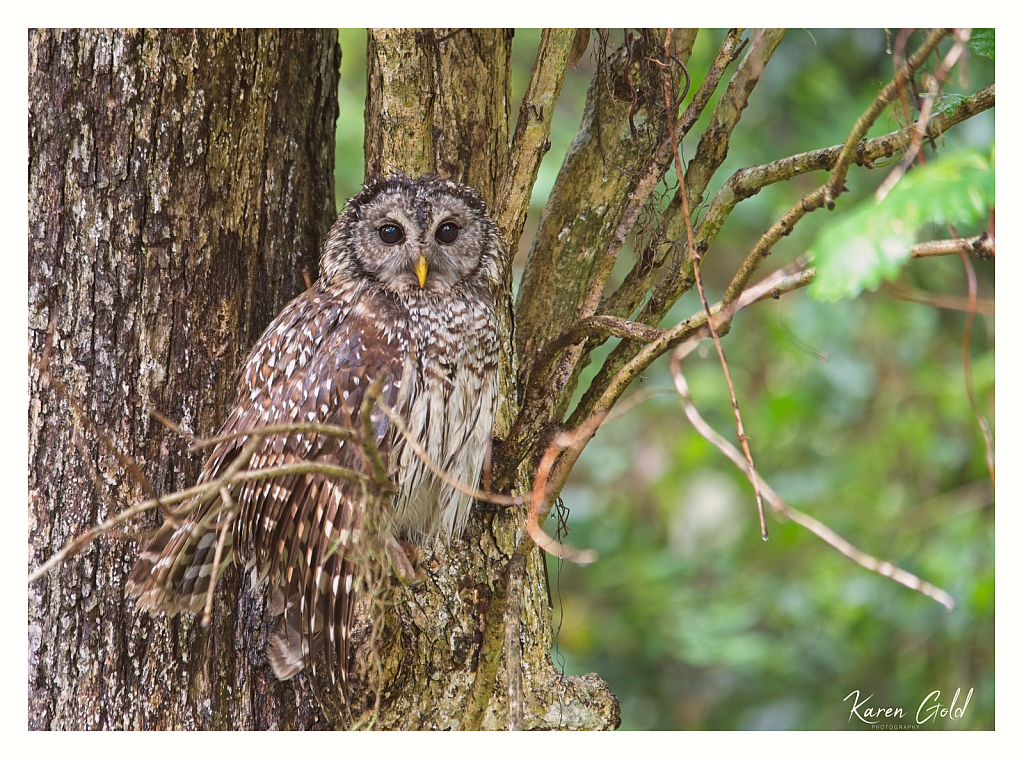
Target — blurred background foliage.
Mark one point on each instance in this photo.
(857, 413)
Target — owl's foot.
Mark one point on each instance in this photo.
(404, 557)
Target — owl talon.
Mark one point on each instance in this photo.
(404, 557)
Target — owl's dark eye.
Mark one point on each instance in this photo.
(447, 233)
(391, 234)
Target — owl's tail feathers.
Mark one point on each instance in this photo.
(172, 573)
(292, 646)
(288, 650)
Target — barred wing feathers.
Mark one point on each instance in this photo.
(313, 364)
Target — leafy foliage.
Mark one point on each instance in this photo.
(983, 42)
(872, 242)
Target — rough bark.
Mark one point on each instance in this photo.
(179, 184)
(606, 179)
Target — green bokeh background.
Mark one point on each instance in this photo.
(857, 413)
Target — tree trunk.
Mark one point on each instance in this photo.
(179, 185)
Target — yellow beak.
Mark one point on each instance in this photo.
(421, 270)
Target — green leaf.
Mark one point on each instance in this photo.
(872, 243)
(947, 104)
(983, 42)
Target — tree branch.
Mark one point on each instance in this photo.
(612, 380)
(748, 182)
(981, 247)
(530, 140)
(827, 193)
(626, 298)
(713, 146)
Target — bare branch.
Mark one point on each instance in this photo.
(198, 495)
(202, 491)
(695, 258)
(714, 143)
(225, 518)
(530, 141)
(542, 497)
(553, 470)
(628, 295)
(589, 327)
(613, 379)
(965, 344)
(981, 247)
(331, 431)
(938, 300)
(826, 534)
(419, 451)
(746, 183)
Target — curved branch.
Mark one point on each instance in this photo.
(780, 507)
(613, 378)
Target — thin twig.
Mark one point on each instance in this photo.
(201, 492)
(696, 257)
(74, 546)
(826, 534)
(982, 247)
(330, 431)
(938, 300)
(540, 501)
(713, 145)
(628, 295)
(986, 431)
(919, 129)
(747, 182)
(606, 388)
(170, 424)
(588, 327)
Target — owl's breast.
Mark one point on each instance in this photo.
(450, 407)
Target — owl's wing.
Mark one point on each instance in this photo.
(298, 531)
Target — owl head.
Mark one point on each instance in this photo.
(427, 235)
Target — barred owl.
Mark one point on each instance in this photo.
(409, 279)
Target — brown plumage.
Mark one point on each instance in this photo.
(407, 292)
